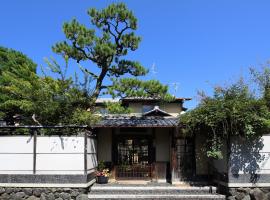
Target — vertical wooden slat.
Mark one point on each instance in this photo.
(114, 148)
(174, 159)
(34, 132)
(114, 155)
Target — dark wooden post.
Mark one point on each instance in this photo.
(174, 157)
(114, 154)
(152, 154)
(34, 133)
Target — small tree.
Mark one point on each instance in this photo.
(232, 110)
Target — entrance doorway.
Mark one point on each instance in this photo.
(133, 157)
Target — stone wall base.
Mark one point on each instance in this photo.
(7, 193)
(248, 194)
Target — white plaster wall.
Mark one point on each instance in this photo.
(201, 158)
(91, 145)
(104, 145)
(91, 162)
(136, 108)
(91, 154)
(250, 155)
(16, 155)
(57, 144)
(162, 141)
(61, 155)
(16, 164)
(16, 144)
(55, 155)
(60, 164)
(173, 108)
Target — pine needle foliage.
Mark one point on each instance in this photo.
(106, 44)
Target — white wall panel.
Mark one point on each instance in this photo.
(250, 156)
(16, 144)
(55, 155)
(266, 142)
(56, 144)
(91, 161)
(91, 145)
(16, 162)
(60, 162)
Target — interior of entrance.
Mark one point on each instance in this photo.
(133, 156)
(132, 151)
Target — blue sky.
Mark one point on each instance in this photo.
(195, 43)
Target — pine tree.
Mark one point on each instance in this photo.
(107, 46)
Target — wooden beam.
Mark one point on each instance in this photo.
(34, 132)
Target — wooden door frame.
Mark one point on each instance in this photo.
(151, 150)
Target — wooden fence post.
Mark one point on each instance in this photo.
(34, 132)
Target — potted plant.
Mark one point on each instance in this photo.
(102, 174)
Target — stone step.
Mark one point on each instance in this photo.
(149, 190)
(157, 196)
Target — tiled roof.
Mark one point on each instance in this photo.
(127, 121)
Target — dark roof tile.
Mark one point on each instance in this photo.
(120, 121)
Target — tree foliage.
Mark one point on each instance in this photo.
(15, 68)
(117, 108)
(233, 110)
(107, 46)
(40, 100)
(11, 59)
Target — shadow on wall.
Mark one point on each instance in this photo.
(246, 157)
